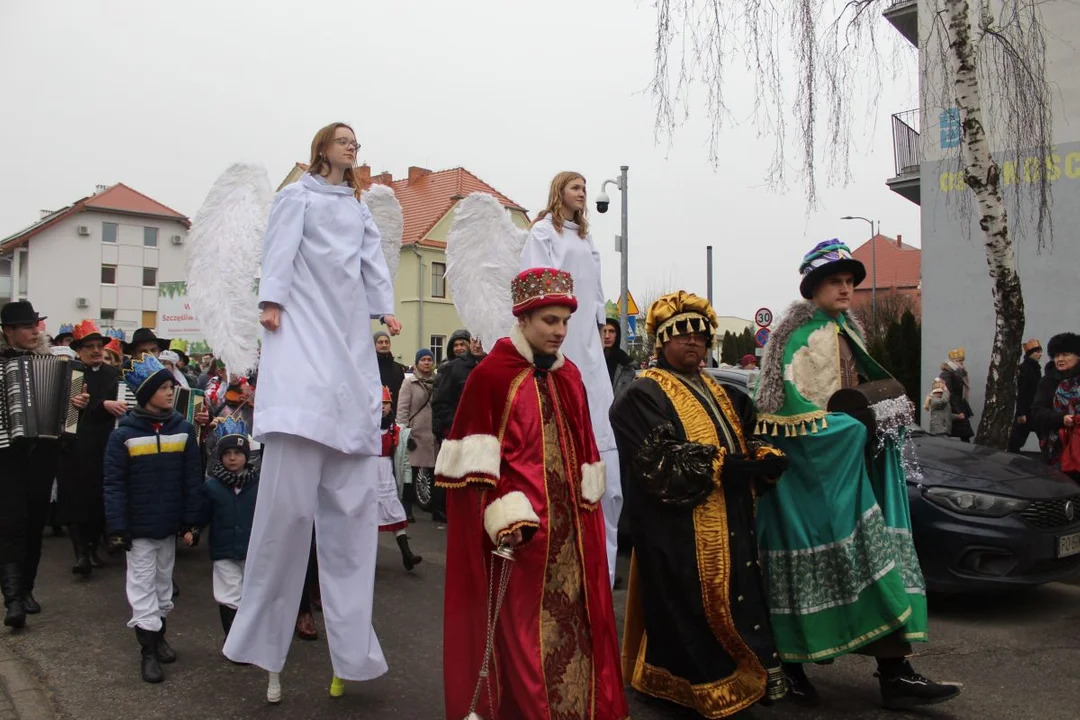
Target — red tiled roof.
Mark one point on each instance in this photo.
(427, 199)
(118, 198)
(898, 265)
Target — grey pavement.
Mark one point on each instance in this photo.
(1018, 656)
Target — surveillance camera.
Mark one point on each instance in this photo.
(602, 202)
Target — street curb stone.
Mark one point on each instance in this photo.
(19, 688)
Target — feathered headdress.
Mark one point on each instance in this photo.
(386, 210)
(224, 254)
(483, 256)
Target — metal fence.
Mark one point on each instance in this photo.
(905, 132)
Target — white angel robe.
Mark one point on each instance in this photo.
(547, 247)
(318, 410)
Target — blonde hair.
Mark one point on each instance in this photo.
(555, 204)
(318, 165)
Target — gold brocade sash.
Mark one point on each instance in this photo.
(747, 684)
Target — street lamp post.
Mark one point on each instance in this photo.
(873, 266)
(602, 202)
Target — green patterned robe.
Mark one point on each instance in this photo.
(835, 535)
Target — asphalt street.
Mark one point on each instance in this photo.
(1017, 656)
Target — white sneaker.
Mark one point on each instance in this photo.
(273, 688)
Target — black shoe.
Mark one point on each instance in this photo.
(800, 689)
(151, 667)
(175, 590)
(83, 566)
(228, 615)
(15, 617)
(910, 689)
(165, 653)
(617, 585)
(33, 607)
(439, 517)
(96, 561)
(407, 558)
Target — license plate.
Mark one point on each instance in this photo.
(1068, 545)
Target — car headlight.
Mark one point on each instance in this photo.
(975, 503)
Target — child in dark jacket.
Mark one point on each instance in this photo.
(153, 472)
(228, 507)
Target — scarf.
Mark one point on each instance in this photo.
(1066, 402)
(237, 480)
(148, 414)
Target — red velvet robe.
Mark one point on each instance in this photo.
(521, 455)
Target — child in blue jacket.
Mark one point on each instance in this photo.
(229, 495)
(153, 472)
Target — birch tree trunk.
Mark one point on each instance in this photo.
(983, 177)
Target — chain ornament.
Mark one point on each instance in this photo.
(505, 553)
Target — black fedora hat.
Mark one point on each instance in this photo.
(144, 335)
(19, 312)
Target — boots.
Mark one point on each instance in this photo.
(33, 607)
(228, 614)
(12, 586)
(407, 558)
(83, 565)
(408, 496)
(95, 560)
(151, 667)
(165, 653)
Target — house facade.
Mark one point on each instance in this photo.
(422, 296)
(957, 299)
(101, 258)
(892, 268)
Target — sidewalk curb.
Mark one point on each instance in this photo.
(22, 688)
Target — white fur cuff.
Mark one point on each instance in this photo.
(593, 482)
(508, 513)
(472, 455)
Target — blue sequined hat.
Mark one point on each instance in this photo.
(232, 434)
(116, 333)
(828, 258)
(66, 330)
(144, 376)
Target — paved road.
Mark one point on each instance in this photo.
(1018, 656)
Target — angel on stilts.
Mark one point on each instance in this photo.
(325, 272)
(533, 637)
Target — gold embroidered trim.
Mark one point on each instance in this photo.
(474, 480)
(510, 529)
(792, 425)
(748, 683)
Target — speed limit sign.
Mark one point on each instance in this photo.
(763, 317)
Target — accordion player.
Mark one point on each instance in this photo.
(35, 398)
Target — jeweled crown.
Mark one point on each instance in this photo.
(66, 329)
(115, 333)
(540, 283)
(232, 426)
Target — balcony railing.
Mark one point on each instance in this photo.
(905, 132)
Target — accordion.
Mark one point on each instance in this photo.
(35, 398)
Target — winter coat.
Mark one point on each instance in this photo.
(941, 414)
(391, 375)
(449, 384)
(152, 477)
(79, 492)
(1045, 419)
(230, 516)
(1027, 383)
(414, 412)
(956, 382)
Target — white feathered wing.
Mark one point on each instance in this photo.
(224, 256)
(386, 210)
(483, 255)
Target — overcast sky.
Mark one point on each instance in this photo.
(163, 96)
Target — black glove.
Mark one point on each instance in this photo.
(673, 471)
(120, 541)
(742, 467)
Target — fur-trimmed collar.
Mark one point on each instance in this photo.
(41, 349)
(770, 394)
(517, 338)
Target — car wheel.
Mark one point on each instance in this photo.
(423, 484)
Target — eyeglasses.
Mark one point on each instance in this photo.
(346, 142)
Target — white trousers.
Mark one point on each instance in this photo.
(228, 581)
(611, 503)
(149, 581)
(391, 511)
(304, 481)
